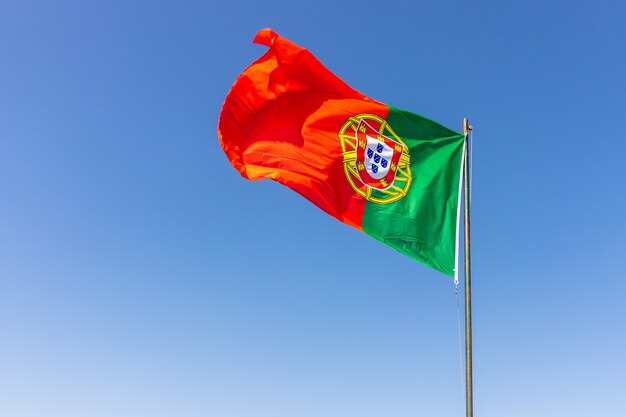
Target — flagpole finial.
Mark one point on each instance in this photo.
(466, 126)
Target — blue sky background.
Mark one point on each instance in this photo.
(140, 275)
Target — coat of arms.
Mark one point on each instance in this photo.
(376, 161)
(377, 156)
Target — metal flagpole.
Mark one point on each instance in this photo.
(469, 403)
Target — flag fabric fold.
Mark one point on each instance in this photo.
(392, 174)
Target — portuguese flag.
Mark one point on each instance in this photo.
(389, 173)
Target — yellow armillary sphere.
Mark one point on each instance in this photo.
(376, 161)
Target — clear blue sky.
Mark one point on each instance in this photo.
(140, 275)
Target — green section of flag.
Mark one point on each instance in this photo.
(422, 225)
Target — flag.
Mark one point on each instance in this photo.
(392, 174)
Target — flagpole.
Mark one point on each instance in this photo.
(469, 402)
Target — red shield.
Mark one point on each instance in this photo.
(377, 156)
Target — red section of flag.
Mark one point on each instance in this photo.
(281, 121)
